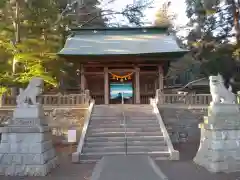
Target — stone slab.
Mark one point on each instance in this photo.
(26, 159)
(28, 122)
(30, 129)
(131, 167)
(25, 147)
(219, 151)
(29, 170)
(25, 137)
(28, 112)
(220, 108)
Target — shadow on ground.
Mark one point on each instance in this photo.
(65, 171)
(185, 168)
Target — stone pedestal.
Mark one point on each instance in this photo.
(219, 149)
(26, 148)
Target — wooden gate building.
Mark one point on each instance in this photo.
(136, 59)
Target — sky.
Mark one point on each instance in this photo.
(177, 6)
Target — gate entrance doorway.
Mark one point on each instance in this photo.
(121, 93)
(121, 87)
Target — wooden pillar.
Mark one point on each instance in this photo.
(160, 78)
(137, 85)
(106, 86)
(82, 77)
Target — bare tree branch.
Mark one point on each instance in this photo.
(129, 8)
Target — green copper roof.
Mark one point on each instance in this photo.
(120, 41)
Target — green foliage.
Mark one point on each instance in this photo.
(212, 24)
(91, 15)
(35, 54)
(163, 16)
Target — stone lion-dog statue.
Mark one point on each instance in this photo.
(33, 90)
(220, 94)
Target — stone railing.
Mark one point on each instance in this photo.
(76, 155)
(52, 99)
(174, 155)
(188, 99)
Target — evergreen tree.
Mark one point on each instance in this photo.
(209, 38)
(163, 16)
(89, 15)
(29, 41)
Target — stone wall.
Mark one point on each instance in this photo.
(182, 124)
(60, 120)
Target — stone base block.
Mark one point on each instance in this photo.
(75, 157)
(220, 108)
(27, 159)
(28, 112)
(29, 129)
(26, 137)
(216, 167)
(29, 170)
(219, 151)
(175, 155)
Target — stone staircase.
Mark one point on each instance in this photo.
(123, 129)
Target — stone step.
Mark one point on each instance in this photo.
(122, 143)
(113, 125)
(138, 108)
(122, 124)
(106, 117)
(94, 157)
(122, 129)
(109, 116)
(106, 121)
(94, 144)
(143, 121)
(140, 118)
(129, 148)
(122, 139)
(120, 134)
(121, 121)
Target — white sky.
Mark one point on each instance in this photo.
(177, 6)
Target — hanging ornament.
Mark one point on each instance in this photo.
(122, 78)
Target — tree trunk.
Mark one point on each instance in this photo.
(17, 40)
(236, 20)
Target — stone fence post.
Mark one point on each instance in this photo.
(159, 96)
(2, 99)
(87, 93)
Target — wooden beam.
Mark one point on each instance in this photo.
(121, 70)
(149, 72)
(119, 65)
(93, 73)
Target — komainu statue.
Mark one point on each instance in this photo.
(33, 90)
(220, 94)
